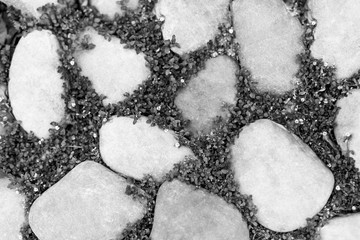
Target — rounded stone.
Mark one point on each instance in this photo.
(270, 40)
(112, 69)
(35, 86)
(138, 149)
(112, 7)
(347, 125)
(205, 96)
(183, 212)
(88, 203)
(29, 6)
(12, 211)
(344, 228)
(193, 23)
(287, 181)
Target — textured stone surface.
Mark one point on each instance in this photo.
(88, 203)
(35, 86)
(344, 228)
(136, 150)
(111, 68)
(348, 124)
(193, 23)
(182, 212)
(111, 7)
(270, 39)
(203, 98)
(29, 6)
(12, 213)
(337, 34)
(287, 180)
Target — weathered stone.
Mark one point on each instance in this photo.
(347, 129)
(344, 228)
(112, 69)
(12, 212)
(182, 212)
(112, 7)
(270, 39)
(29, 7)
(193, 23)
(137, 150)
(88, 203)
(337, 34)
(35, 86)
(287, 180)
(207, 93)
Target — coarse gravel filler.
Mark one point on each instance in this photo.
(276, 159)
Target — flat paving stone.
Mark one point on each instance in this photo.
(138, 150)
(270, 39)
(89, 203)
(337, 34)
(35, 86)
(112, 69)
(12, 212)
(193, 23)
(29, 7)
(288, 182)
(112, 7)
(181, 212)
(344, 228)
(347, 128)
(204, 97)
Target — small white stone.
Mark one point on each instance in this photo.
(282, 174)
(139, 149)
(270, 40)
(112, 69)
(35, 86)
(193, 23)
(111, 7)
(342, 228)
(29, 6)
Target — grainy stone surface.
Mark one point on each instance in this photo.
(29, 7)
(270, 39)
(206, 94)
(12, 211)
(344, 228)
(112, 69)
(182, 212)
(137, 150)
(111, 7)
(35, 86)
(337, 34)
(193, 23)
(288, 182)
(347, 129)
(88, 203)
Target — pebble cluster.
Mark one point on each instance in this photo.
(37, 163)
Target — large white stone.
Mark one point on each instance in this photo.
(12, 212)
(337, 34)
(112, 69)
(88, 203)
(204, 97)
(269, 38)
(29, 6)
(182, 212)
(137, 150)
(193, 23)
(111, 7)
(35, 86)
(288, 182)
(347, 129)
(344, 228)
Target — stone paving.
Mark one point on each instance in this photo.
(288, 182)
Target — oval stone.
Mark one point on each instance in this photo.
(35, 86)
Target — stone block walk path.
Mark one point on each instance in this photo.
(179, 120)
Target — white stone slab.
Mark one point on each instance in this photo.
(29, 6)
(344, 228)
